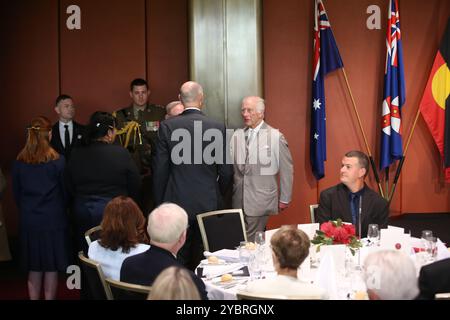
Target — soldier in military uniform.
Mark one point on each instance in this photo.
(138, 125)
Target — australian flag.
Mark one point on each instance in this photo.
(326, 59)
(394, 91)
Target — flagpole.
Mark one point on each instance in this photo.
(372, 163)
(386, 177)
(400, 165)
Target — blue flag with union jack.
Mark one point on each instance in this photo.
(394, 91)
(326, 59)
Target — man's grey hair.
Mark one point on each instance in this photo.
(391, 275)
(166, 223)
(260, 104)
(190, 92)
(172, 104)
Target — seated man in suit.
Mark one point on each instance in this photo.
(434, 278)
(343, 200)
(390, 275)
(66, 133)
(290, 247)
(166, 227)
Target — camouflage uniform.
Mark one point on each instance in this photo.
(141, 147)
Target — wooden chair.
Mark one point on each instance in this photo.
(222, 229)
(312, 212)
(127, 291)
(442, 296)
(95, 278)
(92, 234)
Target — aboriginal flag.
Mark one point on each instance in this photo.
(435, 104)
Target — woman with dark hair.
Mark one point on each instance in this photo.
(98, 172)
(39, 193)
(122, 235)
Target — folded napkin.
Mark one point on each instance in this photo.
(224, 254)
(326, 276)
(210, 271)
(442, 251)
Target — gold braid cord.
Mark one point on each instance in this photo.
(131, 127)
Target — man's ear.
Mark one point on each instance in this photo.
(131, 94)
(57, 110)
(363, 171)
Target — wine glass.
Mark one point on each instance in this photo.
(427, 235)
(373, 234)
(260, 238)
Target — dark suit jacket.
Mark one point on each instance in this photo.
(143, 268)
(335, 203)
(195, 187)
(434, 278)
(77, 139)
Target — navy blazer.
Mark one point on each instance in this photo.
(335, 203)
(143, 268)
(77, 139)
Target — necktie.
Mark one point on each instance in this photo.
(248, 136)
(354, 207)
(66, 137)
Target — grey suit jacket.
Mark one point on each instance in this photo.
(258, 173)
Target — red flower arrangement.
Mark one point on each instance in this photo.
(336, 232)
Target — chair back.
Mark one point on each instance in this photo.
(222, 229)
(95, 279)
(312, 212)
(92, 234)
(127, 291)
(442, 296)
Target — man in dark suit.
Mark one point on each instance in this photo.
(189, 167)
(66, 133)
(166, 227)
(343, 200)
(434, 278)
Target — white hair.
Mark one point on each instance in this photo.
(260, 104)
(172, 104)
(166, 223)
(391, 275)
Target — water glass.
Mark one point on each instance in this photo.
(426, 243)
(427, 234)
(260, 238)
(244, 252)
(432, 248)
(254, 266)
(373, 234)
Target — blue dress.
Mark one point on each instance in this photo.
(43, 227)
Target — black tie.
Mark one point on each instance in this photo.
(66, 137)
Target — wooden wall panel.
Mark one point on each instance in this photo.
(28, 78)
(167, 48)
(99, 61)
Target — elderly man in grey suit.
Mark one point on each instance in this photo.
(263, 169)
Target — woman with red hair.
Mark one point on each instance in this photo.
(38, 187)
(123, 234)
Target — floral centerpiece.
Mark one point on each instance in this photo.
(337, 232)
